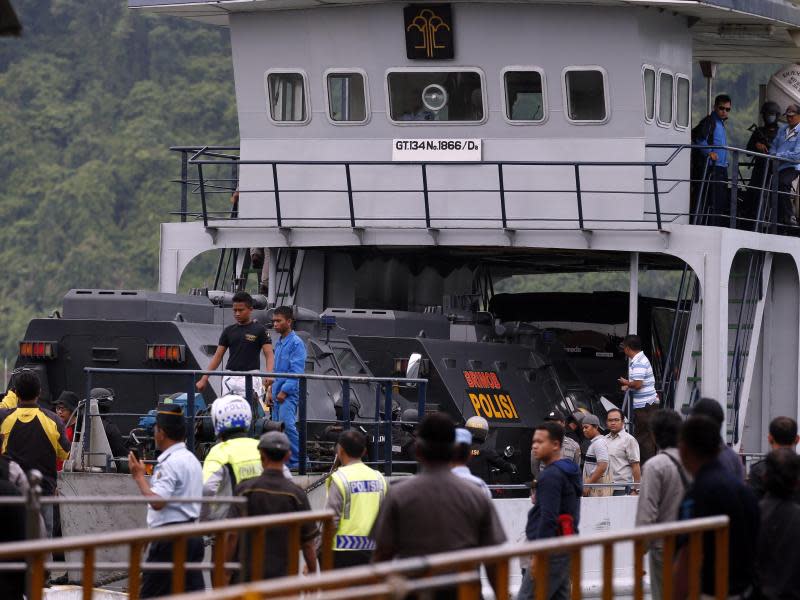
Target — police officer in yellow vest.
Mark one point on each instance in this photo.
(355, 494)
(235, 458)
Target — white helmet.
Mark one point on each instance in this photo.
(478, 427)
(229, 413)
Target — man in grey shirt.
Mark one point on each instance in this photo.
(664, 482)
(570, 449)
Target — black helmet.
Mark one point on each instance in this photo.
(409, 419)
(770, 108)
(410, 414)
(104, 396)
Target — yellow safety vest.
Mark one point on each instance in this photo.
(362, 490)
(240, 455)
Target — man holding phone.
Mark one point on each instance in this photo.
(177, 474)
(641, 386)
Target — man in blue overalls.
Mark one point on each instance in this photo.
(290, 357)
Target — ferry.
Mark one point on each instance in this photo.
(402, 165)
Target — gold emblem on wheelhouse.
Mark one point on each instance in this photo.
(429, 31)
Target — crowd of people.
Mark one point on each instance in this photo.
(680, 469)
(712, 158)
(445, 507)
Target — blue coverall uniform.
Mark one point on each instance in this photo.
(290, 357)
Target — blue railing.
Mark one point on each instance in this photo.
(383, 387)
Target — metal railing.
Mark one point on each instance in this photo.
(752, 294)
(35, 552)
(497, 559)
(383, 387)
(657, 185)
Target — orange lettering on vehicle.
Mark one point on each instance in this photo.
(503, 400)
(486, 404)
(513, 408)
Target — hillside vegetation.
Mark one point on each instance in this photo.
(91, 97)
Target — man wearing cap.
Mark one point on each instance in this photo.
(65, 408)
(270, 494)
(177, 474)
(787, 146)
(461, 456)
(596, 466)
(570, 449)
(355, 493)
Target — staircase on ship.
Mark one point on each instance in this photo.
(682, 365)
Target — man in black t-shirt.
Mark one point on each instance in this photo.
(245, 340)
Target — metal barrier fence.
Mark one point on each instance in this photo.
(383, 386)
(657, 185)
(35, 552)
(356, 582)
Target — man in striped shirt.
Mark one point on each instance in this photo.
(641, 387)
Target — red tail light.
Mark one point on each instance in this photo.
(166, 352)
(36, 349)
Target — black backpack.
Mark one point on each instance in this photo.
(704, 130)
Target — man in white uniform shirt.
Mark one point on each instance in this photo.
(177, 474)
(641, 385)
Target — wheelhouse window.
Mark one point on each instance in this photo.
(347, 98)
(585, 91)
(436, 96)
(684, 102)
(665, 94)
(287, 97)
(524, 95)
(649, 82)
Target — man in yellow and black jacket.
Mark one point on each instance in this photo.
(34, 437)
(355, 494)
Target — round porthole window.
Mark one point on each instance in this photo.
(434, 97)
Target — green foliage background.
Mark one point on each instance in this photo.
(92, 96)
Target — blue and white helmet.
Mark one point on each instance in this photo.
(229, 413)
